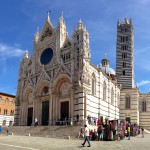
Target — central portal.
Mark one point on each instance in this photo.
(30, 116)
(65, 110)
(45, 112)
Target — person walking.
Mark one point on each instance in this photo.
(142, 129)
(36, 122)
(0, 130)
(86, 136)
(7, 130)
(129, 132)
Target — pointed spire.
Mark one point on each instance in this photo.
(80, 25)
(62, 14)
(26, 55)
(48, 16)
(130, 21)
(61, 19)
(36, 37)
(126, 21)
(37, 32)
(118, 23)
(80, 21)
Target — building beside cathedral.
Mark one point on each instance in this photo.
(134, 106)
(59, 81)
(7, 109)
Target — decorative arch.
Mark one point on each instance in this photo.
(118, 99)
(144, 105)
(93, 84)
(62, 84)
(127, 101)
(104, 91)
(59, 80)
(42, 88)
(112, 96)
(28, 93)
(59, 77)
(7, 101)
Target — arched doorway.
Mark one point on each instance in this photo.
(45, 112)
(64, 110)
(30, 116)
(62, 99)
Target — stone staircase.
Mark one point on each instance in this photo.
(45, 131)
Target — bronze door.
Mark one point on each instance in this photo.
(30, 116)
(64, 110)
(45, 112)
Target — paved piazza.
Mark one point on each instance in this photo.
(38, 143)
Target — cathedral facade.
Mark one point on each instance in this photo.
(59, 81)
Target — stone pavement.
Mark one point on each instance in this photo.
(41, 143)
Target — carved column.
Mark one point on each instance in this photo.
(50, 110)
(54, 108)
(34, 107)
(71, 104)
(24, 114)
(39, 108)
(85, 107)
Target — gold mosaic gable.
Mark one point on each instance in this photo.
(47, 31)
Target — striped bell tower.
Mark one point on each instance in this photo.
(125, 54)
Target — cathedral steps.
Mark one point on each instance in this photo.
(45, 131)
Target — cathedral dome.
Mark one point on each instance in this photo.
(105, 68)
(108, 70)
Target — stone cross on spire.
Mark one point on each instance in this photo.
(48, 16)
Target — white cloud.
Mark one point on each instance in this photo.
(143, 82)
(8, 51)
(142, 50)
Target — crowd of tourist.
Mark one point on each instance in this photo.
(110, 130)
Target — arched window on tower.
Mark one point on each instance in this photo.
(112, 96)
(104, 91)
(93, 85)
(123, 72)
(127, 102)
(124, 64)
(144, 106)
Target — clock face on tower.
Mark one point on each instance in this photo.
(46, 56)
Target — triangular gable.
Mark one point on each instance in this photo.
(43, 76)
(28, 82)
(67, 43)
(62, 69)
(48, 30)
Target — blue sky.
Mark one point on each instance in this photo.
(20, 19)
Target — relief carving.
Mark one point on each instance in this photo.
(48, 32)
(64, 89)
